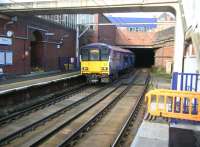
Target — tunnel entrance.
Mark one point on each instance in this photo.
(144, 57)
(36, 51)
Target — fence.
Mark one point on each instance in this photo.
(186, 81)
(174, 104)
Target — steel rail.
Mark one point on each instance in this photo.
(47, 102)
(69, 140)
(131, 117)
(32, 126)
(37, 143)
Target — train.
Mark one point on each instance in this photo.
(101, 62)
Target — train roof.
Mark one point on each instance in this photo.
(116, 48)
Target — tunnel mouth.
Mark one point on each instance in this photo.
(144, 57)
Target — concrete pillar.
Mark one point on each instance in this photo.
(179, 43)
(196, 45)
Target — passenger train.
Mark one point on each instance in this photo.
(102, 62)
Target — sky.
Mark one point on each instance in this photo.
(134, 14)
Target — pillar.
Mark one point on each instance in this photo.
(179, 43)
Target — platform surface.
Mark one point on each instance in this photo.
(26, 83)
(152, 134)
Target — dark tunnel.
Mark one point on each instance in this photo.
(143, 57)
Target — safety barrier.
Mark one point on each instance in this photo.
(186, 81)
(174, 104)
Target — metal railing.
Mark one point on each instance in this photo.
(186, 81)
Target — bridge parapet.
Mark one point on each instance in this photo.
(77, 4)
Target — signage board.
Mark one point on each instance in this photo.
(5, 41)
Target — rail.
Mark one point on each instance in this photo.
(47, 102)
(32, 126)
(37, 143)
(131, 118)
(69, 140)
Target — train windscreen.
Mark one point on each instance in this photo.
(104, 54)
(84, 54)
(94, 54)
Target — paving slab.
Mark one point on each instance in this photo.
(152, 134)
(26, 83)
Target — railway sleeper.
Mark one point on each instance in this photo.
(73, 142)
(81, 134)
(126, 134)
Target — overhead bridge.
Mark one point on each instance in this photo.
(87, 6)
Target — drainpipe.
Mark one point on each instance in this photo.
(77, 45)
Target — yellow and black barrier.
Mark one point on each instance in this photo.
(174, 104)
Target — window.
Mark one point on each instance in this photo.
(104, 54)
(94, 54)
(84, 55)
(6, 57)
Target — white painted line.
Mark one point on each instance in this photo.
(37, 84)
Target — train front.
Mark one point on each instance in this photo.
(95, 63)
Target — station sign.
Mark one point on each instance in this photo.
(5, 41)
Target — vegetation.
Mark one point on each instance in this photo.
(160, 72)
(159, 79)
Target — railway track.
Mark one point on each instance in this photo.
(121, 137)
(24, 129)
(55, 131)
(54, 98)
(27, 123)
(107, 130)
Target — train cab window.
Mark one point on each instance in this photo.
(194, 106)
(169, 103)
(84, 54)
(94, 54)
(126, 59)
(104, 54)
(186, 104)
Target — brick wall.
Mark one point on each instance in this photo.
(101, 33)
(164, 54)
(47, 53)
(106, 33)
(125, 37)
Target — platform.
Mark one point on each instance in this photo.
(37, 80)
(152, 135)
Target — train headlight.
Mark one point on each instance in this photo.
(84, 68)
(104, 68)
